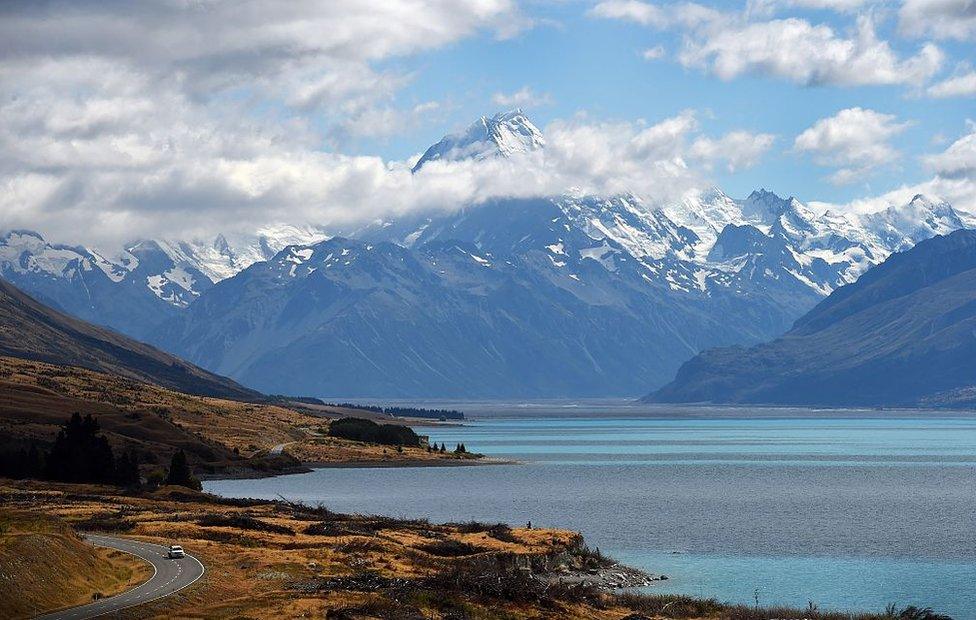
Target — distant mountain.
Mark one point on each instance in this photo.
(618, 291)
(30, 330)
(144, 284)
(504, 134)
(535, 308)
(903, 334)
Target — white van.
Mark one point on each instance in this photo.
(176, 552)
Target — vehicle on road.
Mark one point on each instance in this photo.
(176, 552)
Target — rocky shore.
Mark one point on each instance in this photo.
(611, 577)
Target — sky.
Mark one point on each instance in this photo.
(191, 117)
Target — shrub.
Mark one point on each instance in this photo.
(244, 522)
(450, 548)
(358, 429)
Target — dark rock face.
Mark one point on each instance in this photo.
(903, 334)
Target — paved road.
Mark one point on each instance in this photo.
(170, 577)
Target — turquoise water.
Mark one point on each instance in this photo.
(852, 510)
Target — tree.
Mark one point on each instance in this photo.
(80, 453)
(460, 449)
(127, 470)
(180, 473)
(34, 463)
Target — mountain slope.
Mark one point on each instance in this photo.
(509, 298)
(33, 331)
(903, 334)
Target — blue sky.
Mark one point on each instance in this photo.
(583, 64)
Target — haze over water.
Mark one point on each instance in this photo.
(851, 510)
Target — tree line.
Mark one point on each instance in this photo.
(81, 454)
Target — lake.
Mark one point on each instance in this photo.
(849, 509)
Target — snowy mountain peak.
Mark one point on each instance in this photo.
(503, 134)
(764, 207)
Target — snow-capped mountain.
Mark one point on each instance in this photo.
(127, 293)
(508, 299)
(570, 295)
(227, 254)
(504, 134)
(134, 289)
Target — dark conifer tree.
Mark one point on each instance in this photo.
(34, 462)
(180, 473)
(80, 454)
(127, 470)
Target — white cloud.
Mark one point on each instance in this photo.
(954, 180)
(737, 149)
(731, 44)
(958, 161)
(961, 85)
(686, 14)
(653, 53)
(940, 19)
(522, 98)
(642, 13)
(855, 141)
(804, 53)
(765, 7)
(121, 120)
(835, 5)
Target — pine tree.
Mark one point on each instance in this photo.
(34, 463)
(127, 470)
(180, 473)
(80, 454)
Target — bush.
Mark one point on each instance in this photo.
(358, 429)
(498, 531)
(244, 522)
(450, 548)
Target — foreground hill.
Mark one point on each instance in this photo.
(903, 334)
(31, 330)
(47, 565)
(219, 436)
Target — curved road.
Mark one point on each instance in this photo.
(170, 577)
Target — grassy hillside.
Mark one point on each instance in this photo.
(47, 566)
(270, 559)
(31, 330)
(218, 435)
(904, 334)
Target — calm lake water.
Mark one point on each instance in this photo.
(851, 510)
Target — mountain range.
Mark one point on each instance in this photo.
(569, 295)
(904, 334)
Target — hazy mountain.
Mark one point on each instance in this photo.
(139, 287)
(903, 334)
(115, 293)
(535, 308)
(30, 330)
(648, 286)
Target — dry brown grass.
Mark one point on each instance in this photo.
(38, 397)
(256, 573)
(46, 566)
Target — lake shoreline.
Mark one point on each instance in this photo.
(305, 468)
